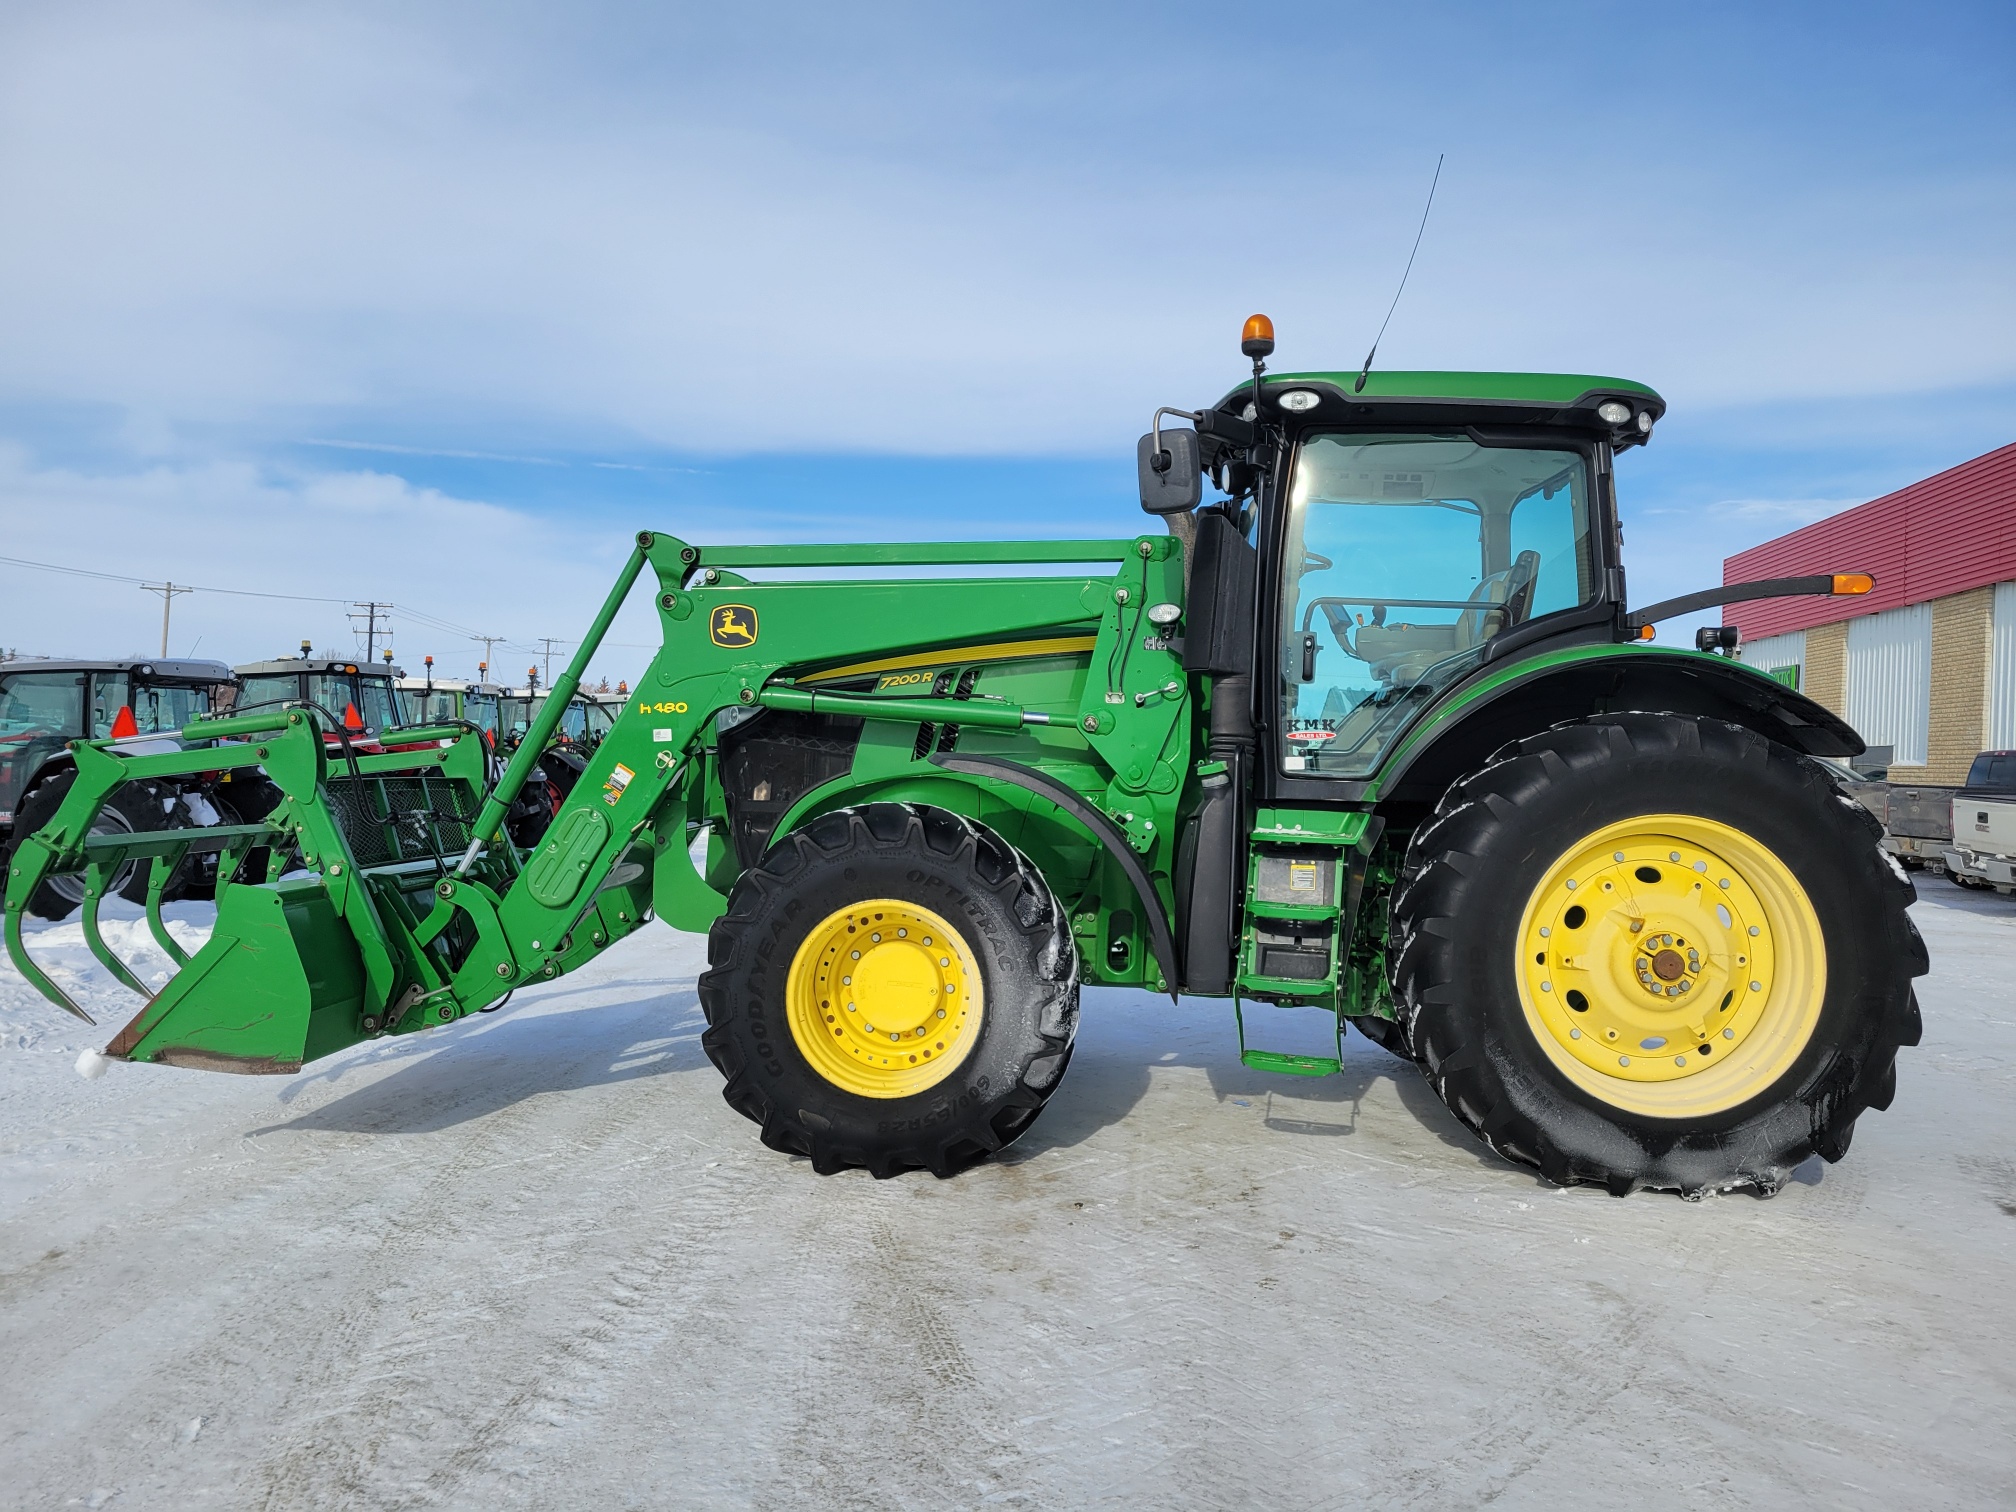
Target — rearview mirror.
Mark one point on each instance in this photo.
(1172, 477)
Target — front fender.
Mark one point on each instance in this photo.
(1511, 702)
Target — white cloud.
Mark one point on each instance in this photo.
(337, 536)
(895, 230)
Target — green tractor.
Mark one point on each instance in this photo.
(1371, 734)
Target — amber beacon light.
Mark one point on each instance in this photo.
(1257, 339)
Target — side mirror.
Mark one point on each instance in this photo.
(1172, 476)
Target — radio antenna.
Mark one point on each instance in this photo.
(1359, 386)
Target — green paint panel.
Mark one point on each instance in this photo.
(278, 983)
(563, 860)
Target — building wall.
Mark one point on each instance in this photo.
(1824, 674)
(1890, 682)
(1962, 640)
(2002, 672)
(1776, 652)
(1957, 719)
(1952, 532)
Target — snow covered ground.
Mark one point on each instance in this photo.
(533, 1261)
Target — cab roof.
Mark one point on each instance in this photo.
(161, 669)
(320, 664)
(1414, 398)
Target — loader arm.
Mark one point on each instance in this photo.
(394, 900)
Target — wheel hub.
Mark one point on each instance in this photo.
(1649, 955)
(884, 998)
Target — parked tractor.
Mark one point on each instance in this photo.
(46, 706)
(1370, 732)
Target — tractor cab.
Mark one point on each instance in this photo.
(432, 700)
(44, 705)
(583, 723)
(361, 699)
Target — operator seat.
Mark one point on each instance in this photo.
(1399, 654)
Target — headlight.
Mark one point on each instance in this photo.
(1610, 412)
(1298, 400)
(1644, 422)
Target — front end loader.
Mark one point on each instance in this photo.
(1371, 733)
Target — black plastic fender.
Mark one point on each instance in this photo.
(1647, 681)
(1099, 827)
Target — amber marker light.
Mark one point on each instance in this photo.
(1853, 582)
(1648, 632)
(1257, 339)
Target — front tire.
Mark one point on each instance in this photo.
(1647, 950)
(893, 987)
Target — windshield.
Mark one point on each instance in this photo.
(480, 709)
(375, 700)
(1405, 556)
(428, 706)
(155, 706)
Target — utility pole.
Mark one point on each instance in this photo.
(549, 643)
(167, 592)
(372, 611)
(484, 665)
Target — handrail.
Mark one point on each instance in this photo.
(987, 714)
(913, 553)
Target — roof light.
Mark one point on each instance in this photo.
(1257, 339)
(1644, 422)
(1298, 400)
(1853, 582)
(1611, 412)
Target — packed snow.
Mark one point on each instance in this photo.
(533, 1261)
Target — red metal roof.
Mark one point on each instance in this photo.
(1954, 531)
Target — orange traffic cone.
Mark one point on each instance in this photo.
(124, 724)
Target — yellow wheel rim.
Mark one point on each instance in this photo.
(1671, 965)
(884, 998)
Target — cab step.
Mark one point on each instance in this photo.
(1283, 1064)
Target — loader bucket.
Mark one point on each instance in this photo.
(279, 983)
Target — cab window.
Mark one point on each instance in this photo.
(156, 707)
(42, 703)
(273, 688)
(1406, 556)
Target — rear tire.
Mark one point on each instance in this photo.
(1796, 1025)
(878, 1100)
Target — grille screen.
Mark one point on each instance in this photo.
(420, 816)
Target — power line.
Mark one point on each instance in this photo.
(114, 577)
(376, 608)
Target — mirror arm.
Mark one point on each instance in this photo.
(1160, 461)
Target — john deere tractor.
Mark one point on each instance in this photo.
(1368, 730)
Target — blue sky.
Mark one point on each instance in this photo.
(440, 304)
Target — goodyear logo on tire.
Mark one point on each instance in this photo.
(733, 626)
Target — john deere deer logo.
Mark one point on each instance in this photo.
(732, 625)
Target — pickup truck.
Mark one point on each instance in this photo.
(1982, 852)
(1918, 824)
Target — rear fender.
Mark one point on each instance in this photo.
(1521, 700)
